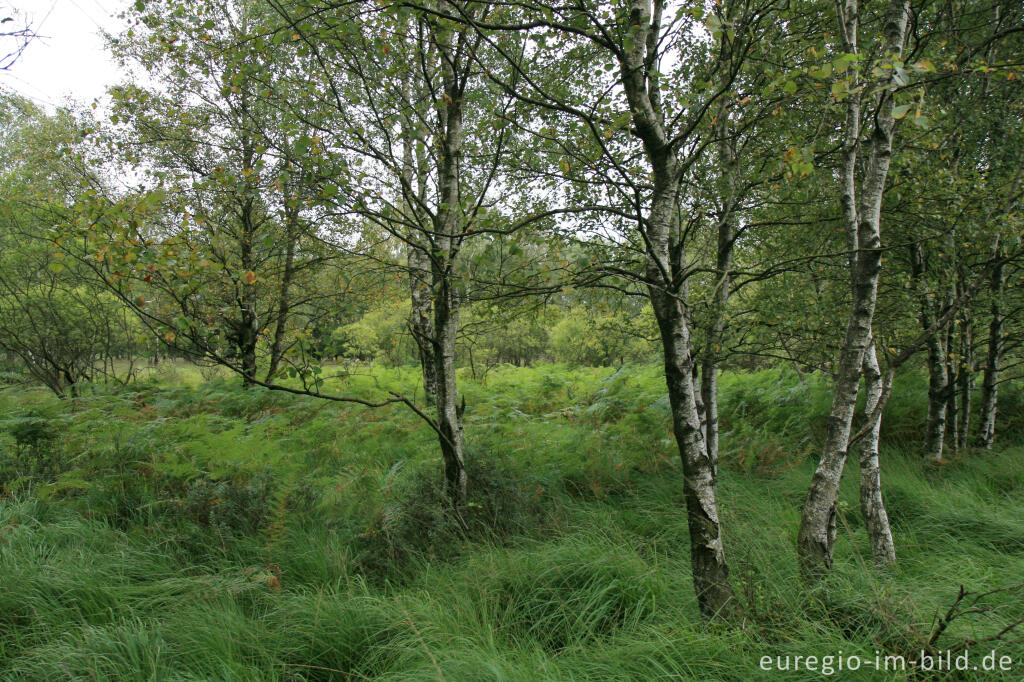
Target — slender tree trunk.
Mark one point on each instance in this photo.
(816, 539)
(283, 301)
(421, 323)
(817, 535)
(965, 377)
(446, 243)
(698, 396)
(952, 379)
(710, 571)
(724, 256)
(248, 327)
(707, 555)
(247, 347)
(990, 376)
(247, 333)
(935, 426)
(414, 190)
(876, 520)
(449, 412)
(666, 277)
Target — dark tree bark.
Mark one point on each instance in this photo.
(284, 296)
(935, 427)
(993, 360)
(965, 377)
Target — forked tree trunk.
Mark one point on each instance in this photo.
(414, 190)
(665, 272)
(707, 555)
(666, 278)
(816, 539)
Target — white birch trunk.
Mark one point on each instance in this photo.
(667, 290)
(447, 227)
(816, 539)
(876, 520)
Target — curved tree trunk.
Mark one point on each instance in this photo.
(816, 539)
(710, 570)
(876, 520)
(700, 484)
(666, 275)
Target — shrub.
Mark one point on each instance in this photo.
(416, 521)
(34, 454)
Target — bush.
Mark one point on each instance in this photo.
(33, 454)
(416, 522)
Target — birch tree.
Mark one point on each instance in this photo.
(628, 131)
(861, 208)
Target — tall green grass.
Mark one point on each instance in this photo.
(202, 532)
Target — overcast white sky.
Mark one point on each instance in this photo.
(68, 59)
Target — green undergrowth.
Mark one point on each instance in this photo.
(196, 531)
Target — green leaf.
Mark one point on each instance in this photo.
(901, 111)
(822, 73)
(841, 63)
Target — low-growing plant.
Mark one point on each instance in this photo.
(416, 522)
